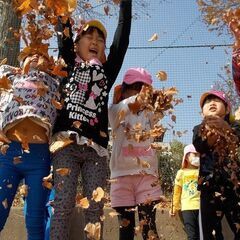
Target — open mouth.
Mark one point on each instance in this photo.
(94, 51)
(212, 109)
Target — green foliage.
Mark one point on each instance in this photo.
(169, 163)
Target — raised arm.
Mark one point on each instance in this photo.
(236, 69)
(120, 42)
(65, 43)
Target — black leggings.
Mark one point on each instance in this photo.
(126, 218)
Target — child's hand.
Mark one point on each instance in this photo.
(172, 212)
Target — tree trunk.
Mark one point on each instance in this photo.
(9, 46)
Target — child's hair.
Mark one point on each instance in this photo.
(133, 79)
(187, 150)
(211, 94)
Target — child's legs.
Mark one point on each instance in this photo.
(147, 196)
(36, 165)
(126, 219)
(147, 215)
(207, 216)
(65, 192)
(9, 180)
(123, 201)
(94, 174)
(191, 224)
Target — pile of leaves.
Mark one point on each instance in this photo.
(220, 137)
(160, 103)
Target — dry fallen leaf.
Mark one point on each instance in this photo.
(47, 185)
(4, 148)
(113, 214)
(17, 160)
(161, 75)
(93, 231)
(23, 190)
(97, 194)
(59, 144)
(103, 134)
(5, 83)
(63, 171)
(83, 203)
(154, 37)
(77, 124)
(5, 203)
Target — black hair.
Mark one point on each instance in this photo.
(134, 86)
(90, 30)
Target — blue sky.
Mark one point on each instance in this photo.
(192, 69)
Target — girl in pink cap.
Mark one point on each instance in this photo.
(82, 123)
(133, 164)
(219, 172)
(186, 197)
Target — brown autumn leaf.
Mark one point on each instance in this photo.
(25, 6)
(113, 214)
(23, 190)
(9, 185)
(77, 124)
(5, 83)
(41, 88)
(57, 70)
(106, 10)
(63, 171)
(56, 104)
(153, 38)
(4, 61)
(17, 160)
(5, 203)
(4, 149)
(124, 222)
(19, 100)
(161, 75)
(97, 194)
(59, 144)
(93, 230)
(47, 184)
(103, 134)
(83, 203)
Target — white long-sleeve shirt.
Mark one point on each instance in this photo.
(130, 157)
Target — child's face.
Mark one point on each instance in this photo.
(35, 61)
(90, 45)
(214, 106)
(193, 159)
(131, 90)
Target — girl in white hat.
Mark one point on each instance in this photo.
(186, 197)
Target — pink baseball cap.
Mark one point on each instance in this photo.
(188, 149)
(134, 75)
(216, 93)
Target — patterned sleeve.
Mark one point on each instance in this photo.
(236, 69)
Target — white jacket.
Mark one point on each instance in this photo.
(129, 156)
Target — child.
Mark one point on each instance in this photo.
(83, 119)
(186, 196)
(133, 164)
(216, 141)
(27, 117)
